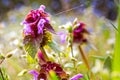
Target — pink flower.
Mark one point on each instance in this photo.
(78, 33)
(35, 22)
(47, 66)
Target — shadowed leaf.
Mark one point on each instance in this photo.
(30, 46)
(107, 63)
(53, 46)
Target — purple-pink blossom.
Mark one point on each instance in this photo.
(76, 77)
(78, 33)
(36, 21)
(35, 74)
(63, 37)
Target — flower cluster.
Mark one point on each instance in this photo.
(76, 30)
(47, 66)
(79, 33)
(37, 29)
(36, 23)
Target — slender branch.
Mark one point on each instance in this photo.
(44, 53)
(2, 74)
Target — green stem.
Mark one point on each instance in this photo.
(85, 60)
(71, 46)
(84, 57)
(44, 53)
(2, 74)
(74, 62)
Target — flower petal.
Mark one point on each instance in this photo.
(76, 77)
(40, 26)
(35, 74)
(49, 28)
(27, 30)
(42, 8)
(62, 37)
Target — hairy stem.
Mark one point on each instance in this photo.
(85, 61)
(44, 53)
(84, 57)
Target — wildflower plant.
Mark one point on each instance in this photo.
(47, 59)
(36, 31)
(36, 35)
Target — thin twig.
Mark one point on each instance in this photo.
(68, 10)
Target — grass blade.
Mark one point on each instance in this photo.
(116, 56)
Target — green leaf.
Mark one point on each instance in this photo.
(107, 63)
(31, 45)
(98, 57)
(54, 46)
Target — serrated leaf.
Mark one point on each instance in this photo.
(31, 45)
(54, 46)
(107, 63)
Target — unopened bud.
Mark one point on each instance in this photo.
(9, 55)
(73, 59)
(22, 72)
(1, 56)
(75, 21)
